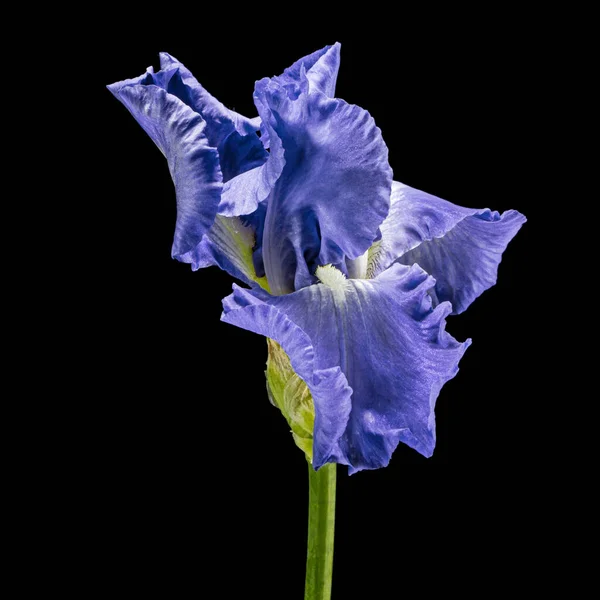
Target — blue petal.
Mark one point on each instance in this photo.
(240, 149)
(143, 79)
(243, 194)
(246, 192)
(194, 165)
(460, 247)
(384, 337)
(333, 192)
(206, 104)
(253, 310)
(320, 69)
(229, 245)
(249, 189)
(315, 72)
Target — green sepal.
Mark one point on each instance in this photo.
(291, 395)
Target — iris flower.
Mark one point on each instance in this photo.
(350, 275)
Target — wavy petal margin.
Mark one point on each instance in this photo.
(460, 247)
(333, 192)
(387, 342)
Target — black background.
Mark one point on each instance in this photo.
(191, 460)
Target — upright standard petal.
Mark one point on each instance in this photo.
(315, 72)
(247, 193)
(386, 339)
(249, 189)
(333, 192)
(240, 156)
(205, 103)
(319, 68)
(194, 165)
(234, 136)
(460, 247)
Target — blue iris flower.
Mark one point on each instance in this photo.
(351, 274)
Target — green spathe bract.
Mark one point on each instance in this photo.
(291, 395)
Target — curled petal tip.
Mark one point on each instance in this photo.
(113, 88)
(166, 60)
(461, 247)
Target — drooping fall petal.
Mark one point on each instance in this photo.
(255, 311)
(387, 341)
(460, 247)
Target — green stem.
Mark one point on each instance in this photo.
(321, 522)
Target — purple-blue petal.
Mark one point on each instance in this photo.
(320, 69)
(179, 133)
(386, 339)
(143, 79)
(315, 72)
(206, 103)
(228, 245)
(248, 191)
(333, 192)
(240, 149)
(234, 136)
(254, 311)
(460, 247)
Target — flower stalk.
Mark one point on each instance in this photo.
(321, 526)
